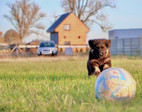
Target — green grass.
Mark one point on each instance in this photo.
(50, 85)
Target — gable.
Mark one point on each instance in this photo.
(74, 21)
(57, 22)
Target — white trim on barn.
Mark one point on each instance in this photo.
(73, 46)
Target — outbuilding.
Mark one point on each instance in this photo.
(69, 30)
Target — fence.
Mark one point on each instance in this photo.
(127, 46)
(75, 48)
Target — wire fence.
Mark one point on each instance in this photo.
(129, 46)
(31, 50)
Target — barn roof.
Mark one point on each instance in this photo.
(56, 23)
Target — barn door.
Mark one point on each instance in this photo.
(54, 37)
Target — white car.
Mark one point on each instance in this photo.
(47, 48)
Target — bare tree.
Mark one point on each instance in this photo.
(25, 16)
(89, 11)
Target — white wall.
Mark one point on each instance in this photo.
(125, 33)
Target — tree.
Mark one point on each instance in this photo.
(11, 36)
(25, 16)
(89, 11)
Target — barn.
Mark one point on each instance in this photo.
(126, 41)
(69, 31)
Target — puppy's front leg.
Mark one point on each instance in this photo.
(97, 70)
(95, 66)
(106, 66)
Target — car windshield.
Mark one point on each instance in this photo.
(47, 44)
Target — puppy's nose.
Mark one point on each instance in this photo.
(101, 54)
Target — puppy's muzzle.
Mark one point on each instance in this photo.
(102, 54)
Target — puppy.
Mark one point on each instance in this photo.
(99, 56)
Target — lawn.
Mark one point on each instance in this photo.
(52, 84)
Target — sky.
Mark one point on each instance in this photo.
(127, 14)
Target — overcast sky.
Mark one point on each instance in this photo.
(127, 14)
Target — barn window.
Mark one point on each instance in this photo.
(66, 27)
(67, 43)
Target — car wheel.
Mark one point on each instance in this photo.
(53, 54)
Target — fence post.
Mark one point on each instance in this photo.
(116, 46)
(130, 46)
(123, 46)
(139, 46)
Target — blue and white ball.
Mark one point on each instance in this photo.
(115, 84)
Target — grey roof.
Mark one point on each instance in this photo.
(57, 22)
(128, 29)
(125, 33)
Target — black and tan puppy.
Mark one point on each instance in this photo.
(99, 56)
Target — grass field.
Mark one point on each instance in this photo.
(52, 84)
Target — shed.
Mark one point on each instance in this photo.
(68, 29)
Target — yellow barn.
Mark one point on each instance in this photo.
(69, 31)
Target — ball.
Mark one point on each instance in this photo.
(115, 84)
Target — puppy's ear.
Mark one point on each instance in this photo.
(108, 43)
(90, 43)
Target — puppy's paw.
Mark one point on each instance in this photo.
(97, 71)
(106, 66)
